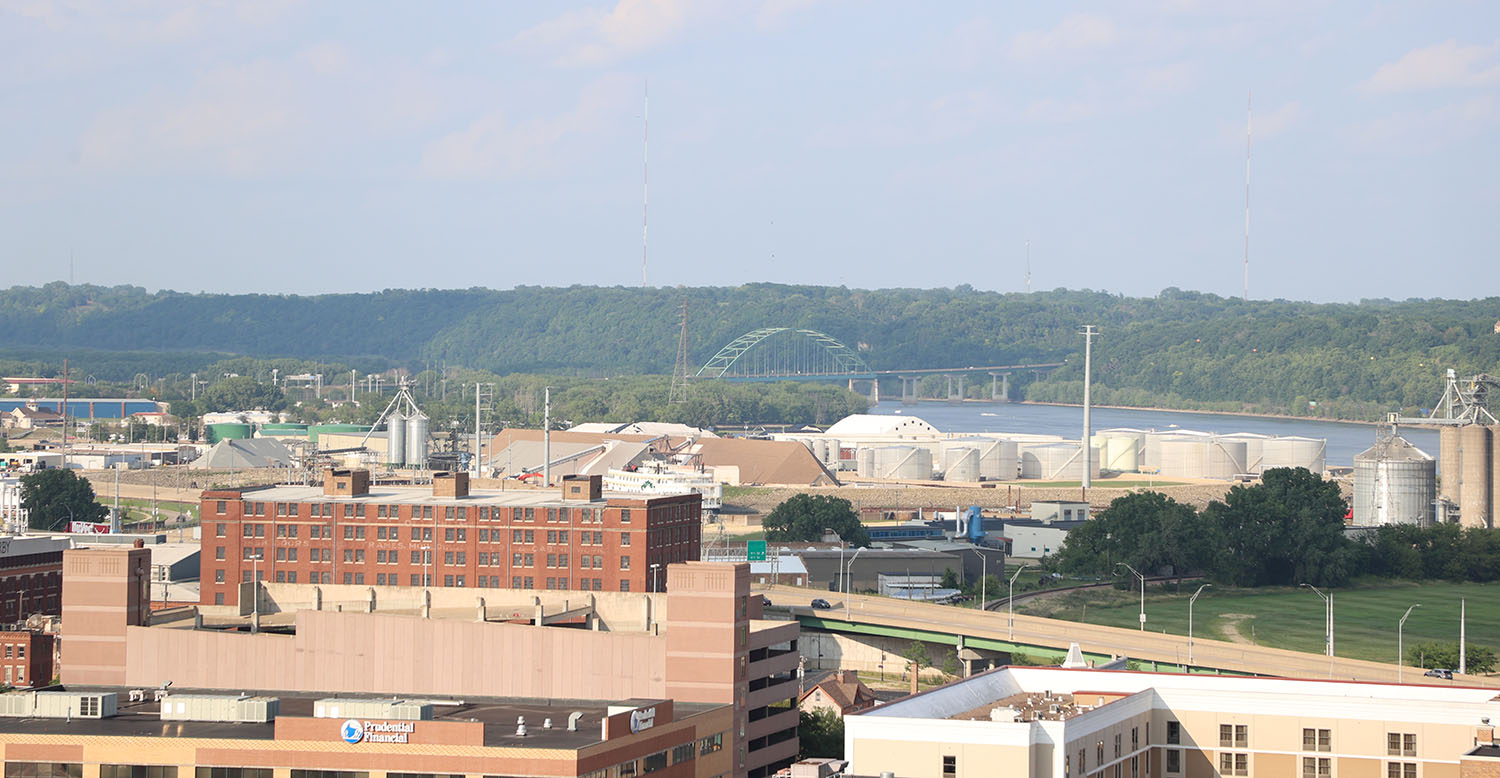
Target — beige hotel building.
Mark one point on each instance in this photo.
(1085, 723)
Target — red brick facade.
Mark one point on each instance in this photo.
(488, 539)
(30, 583)
(26, 657)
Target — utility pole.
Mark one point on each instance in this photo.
(547, 436)
(1463, 650)
(65, 405)
(1088, 377)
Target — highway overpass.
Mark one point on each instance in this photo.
(1049, 639)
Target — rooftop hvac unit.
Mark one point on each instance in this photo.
(226, 708)
(355, 708)
(59, 705)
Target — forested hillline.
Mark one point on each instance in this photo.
(1183, 349)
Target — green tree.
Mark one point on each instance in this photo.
(916, 655)
(240, 393)
(1286, 530)
(806, 516)
(52, 498)
(820, 734)
(1148, 531)
(1445, 655)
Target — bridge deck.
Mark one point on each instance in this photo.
(903, 619)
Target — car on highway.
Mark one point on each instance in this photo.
(1439, 673)
(821, 604)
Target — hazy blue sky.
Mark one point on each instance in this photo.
(347, 146)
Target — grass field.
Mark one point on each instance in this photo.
(1365, 616)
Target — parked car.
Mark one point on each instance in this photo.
(1439, 673)
(820, 604)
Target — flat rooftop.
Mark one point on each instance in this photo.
(1033, 706)
(422, 495)
(499, 714)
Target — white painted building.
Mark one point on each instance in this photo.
(1071, 723)
(660, 478)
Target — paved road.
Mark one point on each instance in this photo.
(1147, 646)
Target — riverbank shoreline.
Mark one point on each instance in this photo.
(1153, 409)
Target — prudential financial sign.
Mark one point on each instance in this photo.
(357, 731)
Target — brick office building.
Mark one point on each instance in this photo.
(26, 656)
(30, 576)
(444, 536)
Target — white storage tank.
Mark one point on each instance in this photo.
(1293, 452)
(1394, 483)
(831, 453)
(864, 462)
(907, 463)
(961, 465)
(1152, 457)
(1120, 453)
(1223, 459)
(1254, 448)
(1058, 462)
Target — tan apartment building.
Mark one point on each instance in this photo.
(1083, 723)
(701, 643)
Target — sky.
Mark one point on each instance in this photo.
(311, 147)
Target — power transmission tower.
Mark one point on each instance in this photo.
(678, 393)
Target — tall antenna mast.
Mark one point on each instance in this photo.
(645, 176)
(678, 392)
(1247, 197)
(1028, 267)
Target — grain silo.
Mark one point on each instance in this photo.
(395, 438)
(1474, 472)
(416, 439)
(1394, 483)
(961, 464)
(1450, 482)
(1494, 472)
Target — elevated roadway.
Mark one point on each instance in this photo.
(1050, 638)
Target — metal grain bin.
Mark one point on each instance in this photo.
(1394, 483)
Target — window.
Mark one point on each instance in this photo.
(1392, 770)
(1117, 745)
(624, 538)
(448, 558)
(325, 774)
(680, 754)
(950, 766)
(348, 532)
(484, 534)
(562, 536)
(1174, 733)
(448, 533)
(137, 771)
(220, 507)
(1234, 736)
(515, 536)
(249, 530)
(463, 534)
(45, 770)
(1317, 767)
(219, 596)
(530, 536)
(1135, 738)
(1401, 744)
(625, 562)
(219, 553)
(1234, 764)
(624, 515)
(1174, 761)
(624, 586)
(219, 530)
(711, 744)
(448, 580)
(1317, 739)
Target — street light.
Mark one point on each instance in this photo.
(1400, 647)
(653, 576)
(1327, 618)
(254, 589)
(1143, 590)
(1010, 600)
(849, 570)
(426, 560)
(1192, 600)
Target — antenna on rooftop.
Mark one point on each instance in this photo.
(645, 176)
(1247, 197)
(1028, 267)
